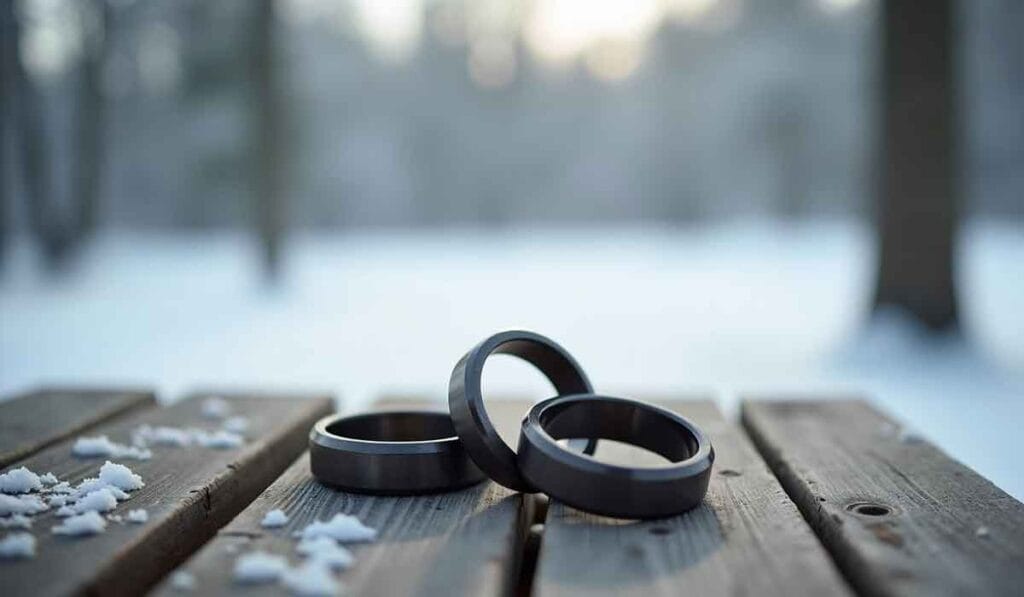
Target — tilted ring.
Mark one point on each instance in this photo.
(466, 403)
(390, 453)
(585, 483)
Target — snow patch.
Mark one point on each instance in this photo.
(89, 523)
(237, 425)
(88, 447)
(175, 437)
(138, 516)
(215, 408)
(220, 439)
(16, 521)
(65, 511)
(56, 501)
(311, 578)
(101, 500)
(259, 567)
(49, 479)
(327, 552)
(17, 545)
(342, 527)
(183, 581)
(20, 480)
(120, 476)
(21, 504)
(62, 487)
(182, 437)
(274, 518)
(92, 484)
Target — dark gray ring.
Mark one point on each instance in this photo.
(390, 453)
(466, 403)
(585, 483)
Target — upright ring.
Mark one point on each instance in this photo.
(390, 453)
(466, 403)
(607, 489)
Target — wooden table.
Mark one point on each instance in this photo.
(808, 497)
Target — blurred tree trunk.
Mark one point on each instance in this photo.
(57, 232)
(8, 54)
(919, 165)
(268, 165)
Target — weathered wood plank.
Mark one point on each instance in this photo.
(190, 492)
(37, 419)
(746, 539)
(898, 515)
(449, 544)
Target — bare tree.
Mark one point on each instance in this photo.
(268, 155)
(8, 54)
(919, 164)
(59, 233)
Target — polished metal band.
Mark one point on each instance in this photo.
(466, 403)
(585, 483)
(390, 453)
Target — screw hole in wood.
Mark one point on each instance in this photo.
(869, 509)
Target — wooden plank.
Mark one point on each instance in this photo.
(746, 539)
(37, 419)
(449, 544)
(897, 514)
(190, 492)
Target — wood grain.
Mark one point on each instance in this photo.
(898, 515)
(37, 419)
(746, 539)
(450, 544)
(190, 492)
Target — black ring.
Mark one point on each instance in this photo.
(390, 453)
(607, 489)
(466, 404)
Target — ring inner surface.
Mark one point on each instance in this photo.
(561, 372)
(394, 427)
(622, 422)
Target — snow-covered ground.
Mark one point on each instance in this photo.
(744, 309)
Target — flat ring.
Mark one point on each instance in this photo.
(585, 483)
(466, 403)
(390, 453)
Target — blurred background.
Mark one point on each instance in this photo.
(698, 198)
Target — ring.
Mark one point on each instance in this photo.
(585, 483)
(390, 453)
(466, 403)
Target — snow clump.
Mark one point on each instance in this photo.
(327, 552)
(20, 480)
(275, 518)
(342, 527)
(17, 545)
(89, 523)
(16, 521)
(101, 500)
(120, 476)
(259, 567)
(87, 447)
(215, 408)
(138, 516)
(21, 504)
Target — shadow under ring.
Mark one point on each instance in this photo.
(466, 402)
(390, 453)
(587, 484)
